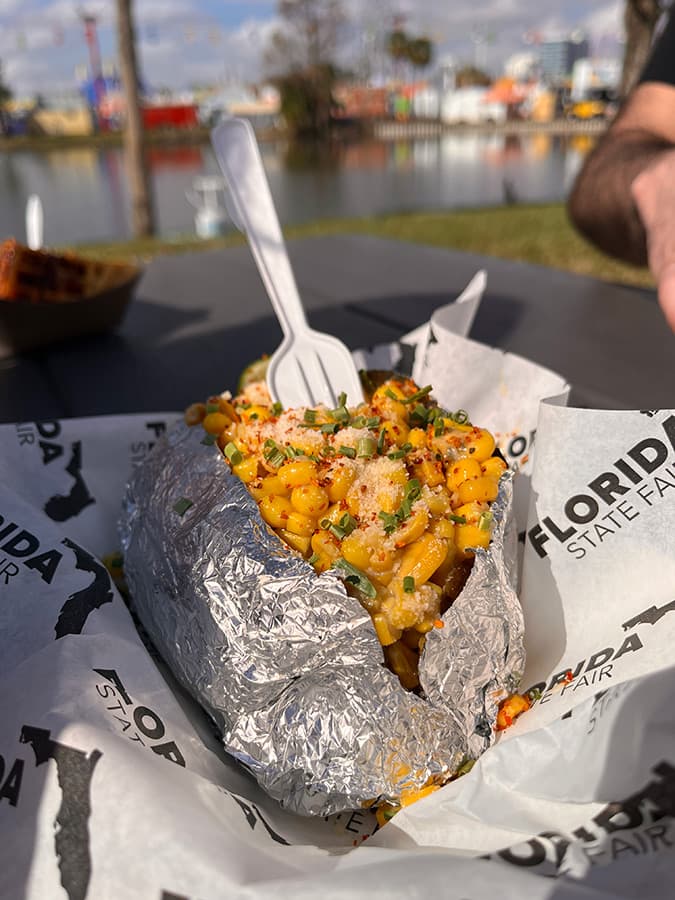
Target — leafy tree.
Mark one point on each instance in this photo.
(470, 75)
(310, 35)
(416, 50)
(640, 18)
(301, 57)
(397, 45)
(420, 52)
(306, 98)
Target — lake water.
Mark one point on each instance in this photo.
(85, 195)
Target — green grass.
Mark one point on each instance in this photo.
(534, 234)
(45, 143)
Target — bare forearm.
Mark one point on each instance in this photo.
(602, 205)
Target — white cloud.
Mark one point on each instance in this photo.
(607, 20)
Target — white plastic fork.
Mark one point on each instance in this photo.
(308, 367)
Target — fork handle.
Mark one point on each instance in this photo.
(237, 152)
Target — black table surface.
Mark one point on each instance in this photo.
(198, 319)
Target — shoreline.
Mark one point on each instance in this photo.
(533, 233)
(380, 129)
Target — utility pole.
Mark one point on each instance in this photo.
(90, 23)
(142, 210)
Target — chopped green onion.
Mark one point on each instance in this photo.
(277, 408)
(485, 521)
(420, 414)
(388, 812)
(340, 529)
(327, 450)
(274, 454)
(461, 417)
(334, 529)
(396, 454)
(340, 414)
(458, 520)
(314, 558)
(413, 489)
(356, 577)
(407, 447)
(380, 441)
(276, 459)
(181, 506)
(212, 407)
(390, 521)
(244, 405)
(366, 380)
(439, 427)
(253, 416)
(233, 454)
(466, 767)
(366, 447)
(310, 416)
(347, 451)
(330, 428)
(404, 510)
(392, 396)
(419, 394)
(408, 584)
(358, 422)
(342, 399)
(209, 439)
(348, 523)
(412, 493)
(373, 422)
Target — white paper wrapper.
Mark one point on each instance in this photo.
(112, 785)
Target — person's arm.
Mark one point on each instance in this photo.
(601, 204)
(624, 198)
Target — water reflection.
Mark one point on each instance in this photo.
(85, 193)
(175, 158)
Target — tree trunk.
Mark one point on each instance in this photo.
(640, 18)
(142, 209)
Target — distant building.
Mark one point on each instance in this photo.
(557, 57)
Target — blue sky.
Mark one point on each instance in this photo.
(185, 42)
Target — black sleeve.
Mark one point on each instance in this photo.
(661, 64)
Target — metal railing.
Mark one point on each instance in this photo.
(427, 128)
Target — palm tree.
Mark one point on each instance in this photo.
(420, 52)
(142, 207)
(397, 44)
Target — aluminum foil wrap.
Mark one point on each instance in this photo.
(286, 663)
